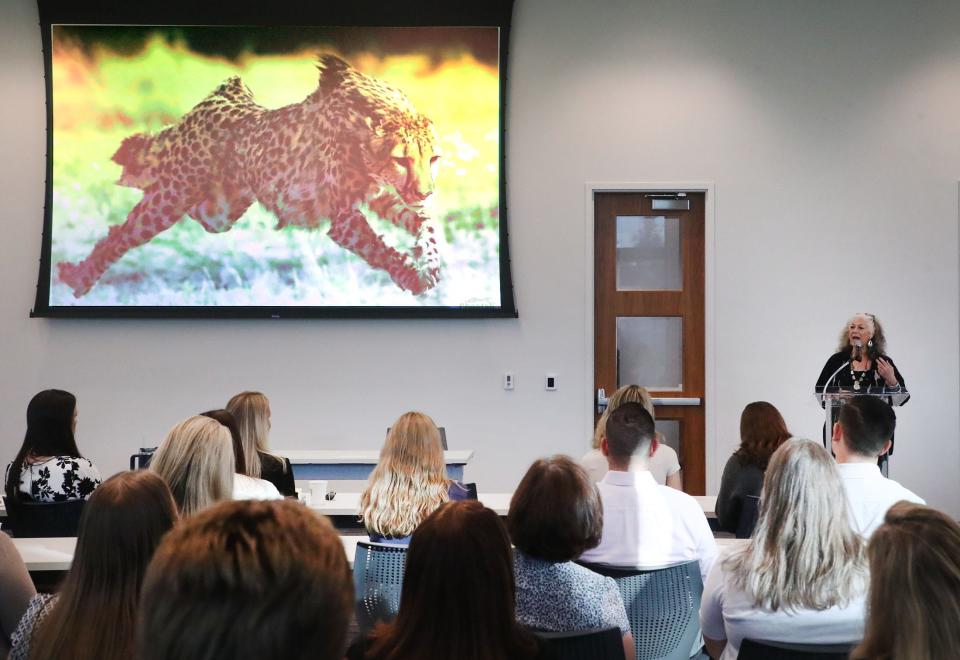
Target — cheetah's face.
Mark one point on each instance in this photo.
(408, 164)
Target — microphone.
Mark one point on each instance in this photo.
(857, 350)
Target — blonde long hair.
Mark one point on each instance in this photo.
(252, 412)
(196, 461)
(409, 482)
(914, 603)
(803, 553)
(626, 394)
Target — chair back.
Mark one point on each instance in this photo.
(749, 512)
(751, 649)
(663, 606)
(377, 580)
(141, 460)
(27, 519)
(604, 644)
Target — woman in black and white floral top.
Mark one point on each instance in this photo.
(49, 467)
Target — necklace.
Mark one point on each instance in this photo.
(857, 379)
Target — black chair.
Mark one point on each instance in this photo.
(749, 512)
(28, 519)
(141, 460)
(751, 649)
(605, 644)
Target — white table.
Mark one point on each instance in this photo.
(55, 554)
(348, 504)
(49, 554)
(355, 464)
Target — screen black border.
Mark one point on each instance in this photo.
(281, 13)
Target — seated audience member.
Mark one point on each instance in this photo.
(94, 615)
(802, 576)
(49, 467)
(645, 524)
(409, 482)
(862, 434)
(244, 487)
(196, 461)
(661, 459)
(914, 603)
(252, 412)
(246, 581)
(762, 431)
(555, 515)
(457, 599)
(16, 591)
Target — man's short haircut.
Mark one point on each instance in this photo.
(244, 581)
(555, 513)
(867, 423)
(629, 428)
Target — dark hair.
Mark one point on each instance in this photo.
(121, 526)
(226, 418)
(49, 433)
(555, 513)
(629, 428)
(867, 423)
(458, 598)
(247, 580)
(762, 431)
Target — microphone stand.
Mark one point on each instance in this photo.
(828, 423)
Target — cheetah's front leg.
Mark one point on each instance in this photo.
(389, 206)
(351, 231)
(148, 218)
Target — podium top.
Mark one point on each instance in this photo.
(837, 395)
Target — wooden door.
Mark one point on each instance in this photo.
(649, 311)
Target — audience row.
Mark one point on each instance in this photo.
(806, 574)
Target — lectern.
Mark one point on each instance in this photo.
(831, 398)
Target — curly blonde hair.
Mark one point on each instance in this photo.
(409, 482)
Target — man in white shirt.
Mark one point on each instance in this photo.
(644, 523)
(863, 433)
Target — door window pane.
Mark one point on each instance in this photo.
(648, 253)
(649, 352)
(669, 430)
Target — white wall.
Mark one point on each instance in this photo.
(829, 129)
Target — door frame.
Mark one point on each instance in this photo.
(710, 354)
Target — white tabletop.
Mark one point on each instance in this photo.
(49, 554)
(348, 504)
(55, 554)
(372, 456)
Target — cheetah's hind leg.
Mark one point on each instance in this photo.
(148, 218)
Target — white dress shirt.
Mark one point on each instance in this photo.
(661, 465)
(870, 495)
(646, 524)
(727, 612)
(251, 488)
